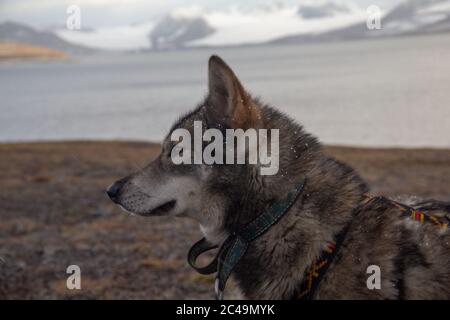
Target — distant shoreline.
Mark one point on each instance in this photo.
(16, 50)
(77, 141)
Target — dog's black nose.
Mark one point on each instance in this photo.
(114, 189)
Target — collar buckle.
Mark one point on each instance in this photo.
(218, 293)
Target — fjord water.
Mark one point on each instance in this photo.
(390, 92)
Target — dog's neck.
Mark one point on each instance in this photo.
(214, 234)
(325, 207)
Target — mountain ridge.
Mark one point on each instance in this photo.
(18, 32)
(195, 27)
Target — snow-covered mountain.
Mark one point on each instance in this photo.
(307, 21)
(235, 27)
(195, 26)
(409, 17)
(417, 16)
(17, 32)
(178, 29)
(134, 37)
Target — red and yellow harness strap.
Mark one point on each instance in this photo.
(420, 216)
(318, 268)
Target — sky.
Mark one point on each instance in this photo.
(104, 13)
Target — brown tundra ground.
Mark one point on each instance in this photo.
(54, 213)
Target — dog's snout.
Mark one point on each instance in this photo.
(114, 189)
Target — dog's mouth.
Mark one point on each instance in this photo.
(162, 209)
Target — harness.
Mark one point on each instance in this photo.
(420, 216)
(315, 273)
(236, 244)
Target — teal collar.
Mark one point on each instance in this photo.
(235, 245)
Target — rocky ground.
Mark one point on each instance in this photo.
(54, 213)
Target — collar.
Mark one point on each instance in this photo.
(235, 245)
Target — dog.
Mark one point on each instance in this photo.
(412, 256)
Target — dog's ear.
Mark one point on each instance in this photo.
(228, 103)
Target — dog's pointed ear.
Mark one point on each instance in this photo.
(228, 103)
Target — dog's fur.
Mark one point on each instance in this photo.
(414, 258)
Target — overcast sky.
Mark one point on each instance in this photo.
(96, 13)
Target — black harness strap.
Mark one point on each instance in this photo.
(315, 273)
(196, 250)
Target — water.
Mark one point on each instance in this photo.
(391, 92)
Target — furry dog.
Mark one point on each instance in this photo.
(413, 256)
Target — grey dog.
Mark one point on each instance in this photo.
(412, 251)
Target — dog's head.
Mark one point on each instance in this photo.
(195, 190)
